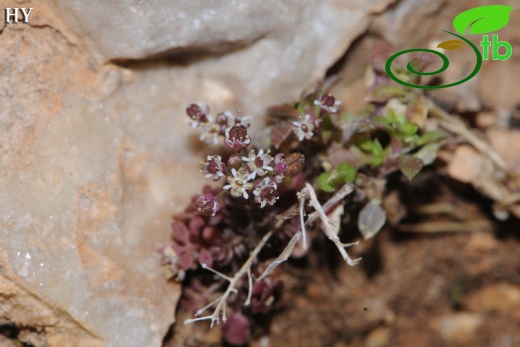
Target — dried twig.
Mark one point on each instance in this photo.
(447, 227)
(307, 192)
(313, 201)
(246, 268)
(301, 197)
(337, 197)
(456, 126)
(286, 253)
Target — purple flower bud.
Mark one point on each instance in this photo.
(327, 103)
(206, 205)
(280, 165)
(198, 114)
(235, 161)
(327, 100)
(238, 132)
(237, 137)
(223, 121)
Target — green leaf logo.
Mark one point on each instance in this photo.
(482, 20)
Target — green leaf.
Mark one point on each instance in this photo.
(376, 153)
(371, 219)
(377, 149)
(347, 172)
(408, 129)
(330, 181)
(451, 45)
(429, 137)
(324, 184)
(384, 92)
(396, 113)
(482, 20)
(410, 166)
(366, 145)
(382, 120)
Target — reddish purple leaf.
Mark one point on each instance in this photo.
(180, 233)
(185, 261)
(205, 257)
(236, 329)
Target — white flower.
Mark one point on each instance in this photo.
(303, 128)
(238, 183)
(265, 192)
(327, 103)
(258, 164)
(210, 133)
(231, 120)
(214, 168)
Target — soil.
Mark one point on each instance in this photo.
(417, 290)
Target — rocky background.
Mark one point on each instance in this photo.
(96, 156)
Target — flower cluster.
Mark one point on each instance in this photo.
(225, 228)
(254, 172)
(309, 121)
(233, 128)
(228, 239)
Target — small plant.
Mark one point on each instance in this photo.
(320, 163)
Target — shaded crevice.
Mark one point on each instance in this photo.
(184, 56)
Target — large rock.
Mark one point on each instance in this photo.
(96, 157)
(265, 52)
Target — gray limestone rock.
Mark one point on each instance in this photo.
(95, 157)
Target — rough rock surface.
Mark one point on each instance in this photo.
(263, 52)
(96, 157)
